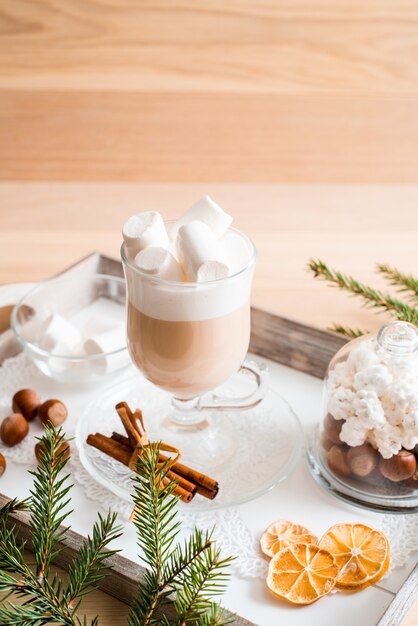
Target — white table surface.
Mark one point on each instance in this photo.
(298, 498)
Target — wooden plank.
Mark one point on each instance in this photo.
(54, 135)
(403, 601)
(122, 576)
(296, 345)
(208, 46)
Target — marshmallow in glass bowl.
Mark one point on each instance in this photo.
(65, 313)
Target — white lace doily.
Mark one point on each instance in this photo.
(229, 528)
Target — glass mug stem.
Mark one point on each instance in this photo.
(192, 413)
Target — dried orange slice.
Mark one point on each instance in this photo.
(362, 554)
(282, 534)
(302, 573)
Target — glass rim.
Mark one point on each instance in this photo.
(29, 345)
(189, 285)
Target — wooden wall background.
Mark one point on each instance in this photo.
(209, 90)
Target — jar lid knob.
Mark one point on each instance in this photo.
(398, 338)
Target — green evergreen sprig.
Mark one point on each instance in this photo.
(405, 282)
(192, 572)
(371, 297)
(347, 331)
(47, 600)
(185, 575)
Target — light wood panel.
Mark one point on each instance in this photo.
(199, 45)
(247, 90)
(46, 226)
(207, 137)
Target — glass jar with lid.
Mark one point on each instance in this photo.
(366, 447)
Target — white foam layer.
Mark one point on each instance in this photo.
(187, 301)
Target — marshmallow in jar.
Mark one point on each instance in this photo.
(369, 433)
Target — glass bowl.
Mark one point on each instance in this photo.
(74, 302)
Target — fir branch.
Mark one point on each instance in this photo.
(405, 282)
(203, 579)
(23, 615)
(157, 526)
(370, 296)
(89, 567)
(215, 616)
(46, 599)
(183, 555)
(351, 333)
(48, 500)
(194, 570)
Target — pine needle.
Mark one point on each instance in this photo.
(351, 333)
(371, 297)
(405, 282)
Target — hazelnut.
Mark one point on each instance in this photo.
(53, 411)
(26, 402)
(399, 467)
(412, 482)
(2, 464)
(337, 461)
(326, 441)
(362, 460)
(333, 428)
(13, 429)
(64, 448)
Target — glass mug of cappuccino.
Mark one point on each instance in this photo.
(189, 338)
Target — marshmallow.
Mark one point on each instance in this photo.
(207, 211)
(59, 365)
(57, 331)
(106, 342)
(143, 230)
(235, 251)
(97, 325)
(199, 253)
(159, 262)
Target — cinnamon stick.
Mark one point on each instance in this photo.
(205, 484)
(208, 487)
(122, 439)
(183, 494)
(182, 482)
(110, 447)
(122, 453)
(129, 423)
